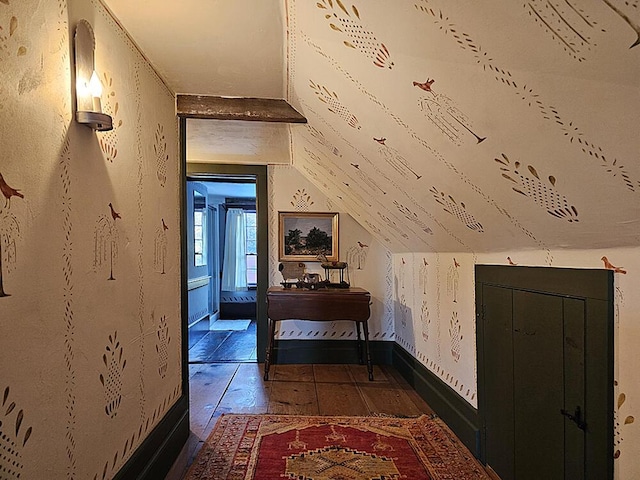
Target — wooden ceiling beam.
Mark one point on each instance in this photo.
(237, 108)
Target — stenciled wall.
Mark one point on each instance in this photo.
(89, 249)
(368, 261)
(462, 133)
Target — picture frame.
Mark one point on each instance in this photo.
(293, 232)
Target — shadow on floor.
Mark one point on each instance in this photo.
(215, 346)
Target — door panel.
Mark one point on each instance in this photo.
(574, 384)
(498, 385)
(561, 350)
(538, 386)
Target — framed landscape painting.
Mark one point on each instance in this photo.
(304, 236)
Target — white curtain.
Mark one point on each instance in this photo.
(234, 266)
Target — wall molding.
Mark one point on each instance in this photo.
(155, 456)
(454, 410)
(194, 283)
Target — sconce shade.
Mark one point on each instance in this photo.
(88, 86)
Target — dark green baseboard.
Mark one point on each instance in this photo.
(155, 456)
(459, 416)
(329, 351)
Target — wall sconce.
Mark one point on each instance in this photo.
(88, 86)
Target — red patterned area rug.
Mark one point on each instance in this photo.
(272, 447)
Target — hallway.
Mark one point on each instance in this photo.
(217, 388)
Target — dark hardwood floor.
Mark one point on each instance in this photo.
(215, 346)
(230, 387)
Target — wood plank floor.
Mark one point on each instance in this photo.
(216, 346)
(217, 388)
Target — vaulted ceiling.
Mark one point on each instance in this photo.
(440, 126)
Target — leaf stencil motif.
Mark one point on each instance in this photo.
(425, 319)
(162, 346)
(360, 38)
(456, 336)
(413, 217)
(301, 201)
(544, 194)
(334, 105)
(14, 435)
(111, 380)
(619, 424)
(458, 210)
(318, 135)
(162, 157)
(8, 38)
(109, 139)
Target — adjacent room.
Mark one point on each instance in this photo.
(222, 269)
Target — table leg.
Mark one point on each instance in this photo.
(270, 342)
(360, 359)
(365, 326)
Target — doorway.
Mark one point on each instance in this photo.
(207, 177)
(222, 279)
(545, 372)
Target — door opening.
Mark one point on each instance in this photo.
(226, 320)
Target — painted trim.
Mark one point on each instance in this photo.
(328, 351)
(198, 282)
(155, 456)
(455, 411)
(596, 288)
(200, 320)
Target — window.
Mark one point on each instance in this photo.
(252, 251)
(199, 230)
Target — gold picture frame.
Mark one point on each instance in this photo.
(294, 229)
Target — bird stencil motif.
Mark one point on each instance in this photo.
(9, 232)
(114, 214)
(8, 192)
(442, 112)
(609, 266)
(106, 240)
(395, 159)
(160, 248)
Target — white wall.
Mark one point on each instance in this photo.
(88, 366)
(440, 332)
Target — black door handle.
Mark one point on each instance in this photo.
(575, 418)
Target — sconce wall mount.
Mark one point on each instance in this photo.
(88, 86)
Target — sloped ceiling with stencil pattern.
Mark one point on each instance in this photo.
(472, 126)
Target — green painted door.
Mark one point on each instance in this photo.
(534, 375)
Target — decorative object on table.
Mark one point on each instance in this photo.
(291, 272)
(302, 236)
(329, 267)
(264, 447)
(311, 281)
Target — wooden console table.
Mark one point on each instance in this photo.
(324, 304)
